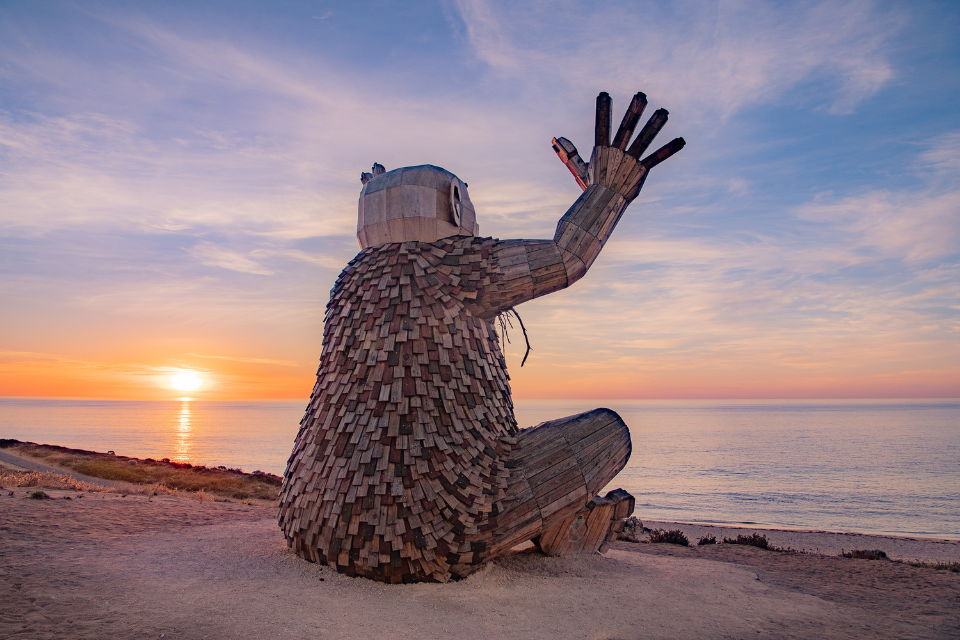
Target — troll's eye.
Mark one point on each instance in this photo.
(455, 202)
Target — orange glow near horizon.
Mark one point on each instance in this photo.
(544, 377)
(148, 377)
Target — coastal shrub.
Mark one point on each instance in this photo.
(866, 554)
(674, 536)
(707, 539)
(753, 540)
(39, 495)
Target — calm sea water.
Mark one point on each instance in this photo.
(875, 467)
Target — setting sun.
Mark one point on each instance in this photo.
(186, 381)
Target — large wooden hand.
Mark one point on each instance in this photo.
(610, 182)
(613, 165)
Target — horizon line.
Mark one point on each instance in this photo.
(594, 399)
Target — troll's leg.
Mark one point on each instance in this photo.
(558, 469)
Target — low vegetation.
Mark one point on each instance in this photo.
(753, 540)
(877, 554)
(50, 480)
(866, 554)
(674, 536)
(940, 566)
(156, 475)
(707, 539)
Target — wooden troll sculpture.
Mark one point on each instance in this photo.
(409, 465)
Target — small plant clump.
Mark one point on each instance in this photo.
(953, 567)
(753, 540)
(707, 539)
(39, 495)
(866, 554)
(669, 537)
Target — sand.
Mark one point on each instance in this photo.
(107, 566)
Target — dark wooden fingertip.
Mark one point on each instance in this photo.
(649, 132)
(630, 120)
(604, 109)
(663, 153)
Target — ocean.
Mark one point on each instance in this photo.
(890, 467)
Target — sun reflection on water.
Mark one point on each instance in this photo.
(184, 432)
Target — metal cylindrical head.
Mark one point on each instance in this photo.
(421, 204)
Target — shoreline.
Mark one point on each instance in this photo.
(829, 543)
(925, 537)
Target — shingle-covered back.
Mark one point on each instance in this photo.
(400, 459)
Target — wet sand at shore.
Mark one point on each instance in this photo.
(108, 566)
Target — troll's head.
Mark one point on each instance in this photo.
(421, 204)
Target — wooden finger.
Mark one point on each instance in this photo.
(663, 153)
(648, 133)
(604, 108)
(569, 156)
(630, 120)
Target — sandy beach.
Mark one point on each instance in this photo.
(109, 565)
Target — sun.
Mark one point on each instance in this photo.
(186, 381)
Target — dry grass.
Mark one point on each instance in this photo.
(50, 480)
(154, 475)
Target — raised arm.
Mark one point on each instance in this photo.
(610, 182)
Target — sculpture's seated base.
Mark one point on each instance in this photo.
(589, 530)
(548, 484)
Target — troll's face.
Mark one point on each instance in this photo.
(421, 204)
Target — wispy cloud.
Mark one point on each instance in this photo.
(282, 363)
(917, 227)
(212, 255)
(711, 56)
(944, 154)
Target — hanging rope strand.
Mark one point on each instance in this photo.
(503, 320)
(526, 338)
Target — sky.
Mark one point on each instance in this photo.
(179, 183)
